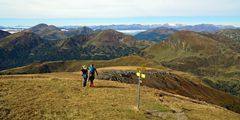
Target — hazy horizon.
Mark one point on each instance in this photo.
(107, 12)
(11, 22)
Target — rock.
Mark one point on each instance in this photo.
(168, 115)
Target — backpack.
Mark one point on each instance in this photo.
(92, 70)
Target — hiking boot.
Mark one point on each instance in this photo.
(92, 85)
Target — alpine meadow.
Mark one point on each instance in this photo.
(119, 60)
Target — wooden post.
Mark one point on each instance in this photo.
(139, 84)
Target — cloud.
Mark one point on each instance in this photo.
(116, 8)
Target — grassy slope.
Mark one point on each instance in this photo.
(75, 65)
(166, 53)
(60, 96)
(203, 55)
(181, 45)
(175, 82)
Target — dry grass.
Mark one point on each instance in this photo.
(61, 96)
(126, 68)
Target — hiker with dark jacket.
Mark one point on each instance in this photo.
(92, 70)
(84, 75)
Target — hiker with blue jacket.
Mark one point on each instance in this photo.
(92, 70)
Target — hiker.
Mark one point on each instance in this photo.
(84, 75)
(92, 70)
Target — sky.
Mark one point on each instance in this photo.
(95, 12)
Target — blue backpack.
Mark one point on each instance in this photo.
(92, 71)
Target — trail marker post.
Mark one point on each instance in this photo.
(140, 76)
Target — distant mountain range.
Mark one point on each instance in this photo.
(47, 43)
(1, 27)
(162, 33)
(195, 28)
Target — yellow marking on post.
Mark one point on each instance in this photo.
(143, 76)
(138, 74)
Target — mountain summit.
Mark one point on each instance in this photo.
(48, 32)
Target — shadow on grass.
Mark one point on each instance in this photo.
(108, 87)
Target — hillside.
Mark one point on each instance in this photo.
(75, 65)
(186, 45)
(85, 45)
(60, 96)
(177, 82)
(230, 33)
(212, 57)
(203, 28)
(78, 31)
(107, 38)
(48, 32)
(4, 34)
(16, 48)
(173, 82)
(22, 39)
(157, 34)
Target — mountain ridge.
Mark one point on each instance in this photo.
(215, 59)
(4, 34)
(157, 34)
(106, 44)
